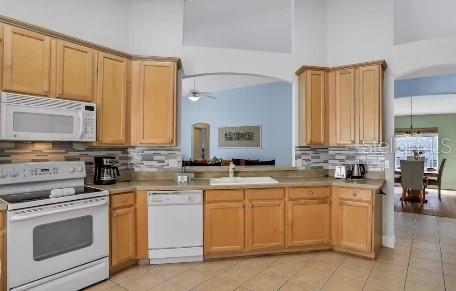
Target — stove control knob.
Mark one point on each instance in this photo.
(79, 169)
(14, 173)
(72, 170)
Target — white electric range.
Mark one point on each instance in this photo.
(58, 229)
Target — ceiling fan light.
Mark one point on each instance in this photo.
(194, 98)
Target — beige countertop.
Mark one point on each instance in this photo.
(3, 205)
(204, 184)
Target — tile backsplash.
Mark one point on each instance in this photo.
(329, 157)
(130, 159)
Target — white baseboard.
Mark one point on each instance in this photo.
(388, 241)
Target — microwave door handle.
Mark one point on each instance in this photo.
(81, 124)
(60, 210)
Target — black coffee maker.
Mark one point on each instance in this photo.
(105, 171)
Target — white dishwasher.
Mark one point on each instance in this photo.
(175, 231)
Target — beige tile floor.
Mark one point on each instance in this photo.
(424, 259)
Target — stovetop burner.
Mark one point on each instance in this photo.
(41, 195)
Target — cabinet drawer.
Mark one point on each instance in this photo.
(123, 200)
(224, 195)
(354, 194)
(269, 193)
(309, 193)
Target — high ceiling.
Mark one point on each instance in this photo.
(426, 104)
(239, 24)
(221, 82)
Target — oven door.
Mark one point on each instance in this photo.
(46, 240)
(38, 123)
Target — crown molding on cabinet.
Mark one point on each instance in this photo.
(320, 68)
(51, 33)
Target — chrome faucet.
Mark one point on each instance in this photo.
(231, 170)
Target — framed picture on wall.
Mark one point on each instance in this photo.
(248, 136)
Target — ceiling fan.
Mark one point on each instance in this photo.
(195, 94)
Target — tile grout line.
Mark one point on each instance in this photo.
(370, 272)
(410, 253)
(441, 255)
(332, 274)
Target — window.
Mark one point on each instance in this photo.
(425, 145)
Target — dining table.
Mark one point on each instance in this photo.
(428, 173)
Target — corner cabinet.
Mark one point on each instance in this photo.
(356, 228)
(26, 61)
(341, 106)
(111, 100)
(154, 103)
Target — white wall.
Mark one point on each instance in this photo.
(416, 20)
(103, 22)
(254, 24)
(359, 31)
(157, 29)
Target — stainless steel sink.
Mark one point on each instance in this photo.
(227, 181)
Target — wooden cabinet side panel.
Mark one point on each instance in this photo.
(142, 247)
(302, 114)
(1, 55)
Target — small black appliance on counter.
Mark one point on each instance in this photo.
(105, 171)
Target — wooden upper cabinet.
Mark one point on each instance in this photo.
(369, 80)
(345, 122)
(75, 71)
(313, 96)
(26, 61)
(265, 216)
(111, 99)
(157, 103)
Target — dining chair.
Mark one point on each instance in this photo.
(437, 181)
(412, 173)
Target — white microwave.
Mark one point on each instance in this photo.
(32, 118)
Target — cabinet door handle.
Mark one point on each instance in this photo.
(355, 194)
(251, 205)
(114, 214)
(124, 200)
(60, 93)
(311, 193)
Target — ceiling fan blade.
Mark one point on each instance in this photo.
(209, 96)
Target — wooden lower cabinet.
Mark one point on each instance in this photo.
(308, 222)
(265, 218)
(258, 221)
(357, 221)
(128, 229)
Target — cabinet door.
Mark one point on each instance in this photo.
(122, 235)
(224, 227)
(111, 99)
(75, 71)
(316, 113)
(345, 107)
(369, 92)
(157, 104)
(26, 61)
(355, 225)
(265, 219)
(308, 222)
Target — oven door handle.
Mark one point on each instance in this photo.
(20, 217)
